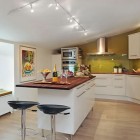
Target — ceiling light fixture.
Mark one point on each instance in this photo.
(57, 6)
(72, 18)
(50, 5)
(85, 33)
(22, 7)
(32, 10)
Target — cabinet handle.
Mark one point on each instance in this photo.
(118, 87)
(87, 82)
(81, 93)
(100, 86)
(81, 86)
(118, 79)
(92, 79)
(87, 89)
(118, 75)
(133, 55)
(92, 85)
(102, 78)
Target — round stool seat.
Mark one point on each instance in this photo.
(52, 108)
(21, 104)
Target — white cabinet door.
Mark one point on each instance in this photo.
(118, 84)
(84, 101)
(103, 83)
(133, 86)
(134, 46)
(110, 84)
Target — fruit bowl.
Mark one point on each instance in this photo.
(44, 76)
(45, 73)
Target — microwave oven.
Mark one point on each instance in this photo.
(69, 53)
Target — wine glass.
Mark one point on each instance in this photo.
(66, 75)
(60, 74)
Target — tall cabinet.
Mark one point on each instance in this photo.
(56, 59)
(134, 45)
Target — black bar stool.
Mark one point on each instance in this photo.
(53, 110)
(22, 105)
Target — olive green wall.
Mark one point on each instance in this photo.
(117, 44)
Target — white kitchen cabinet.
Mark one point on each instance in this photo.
(110, 84)
(84, 100)
(133, 86)
(118, 87)
(56, 59)
(134, 46)
(4, 107)
(103, 83)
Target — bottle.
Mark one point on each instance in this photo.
(54, 75)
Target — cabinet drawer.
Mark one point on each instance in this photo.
(119, 81)
(118, 90)
(80, 89)
(103, 79)
(102, 90)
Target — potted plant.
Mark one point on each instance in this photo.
(115, 69)
(75, 68)
(120, 68)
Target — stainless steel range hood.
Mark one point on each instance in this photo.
(101, 48)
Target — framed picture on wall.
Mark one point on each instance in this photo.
(27, 63)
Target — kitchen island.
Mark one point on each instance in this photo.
(78, 95)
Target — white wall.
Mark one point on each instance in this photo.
(7, 66)
(43, 61)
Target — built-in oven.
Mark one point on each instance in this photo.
(68, 65)
(69, 53)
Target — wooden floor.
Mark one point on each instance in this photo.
(108, 121)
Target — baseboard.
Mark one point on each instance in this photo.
(116, 98)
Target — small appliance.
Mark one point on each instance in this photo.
(69, 53)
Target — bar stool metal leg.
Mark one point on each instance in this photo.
(53, 136)
(23, 121)
(71, 137)
(42, 132)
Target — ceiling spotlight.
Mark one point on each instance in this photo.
(85, 33)
(31, 10)
(57, 6)
(71, 20)
(77, 27)
(50, 5)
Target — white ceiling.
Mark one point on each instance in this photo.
(50, 28)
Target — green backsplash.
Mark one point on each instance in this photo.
(101, 64)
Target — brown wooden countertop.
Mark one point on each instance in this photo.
(74, 81)
(4, 92)
(127, 73)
